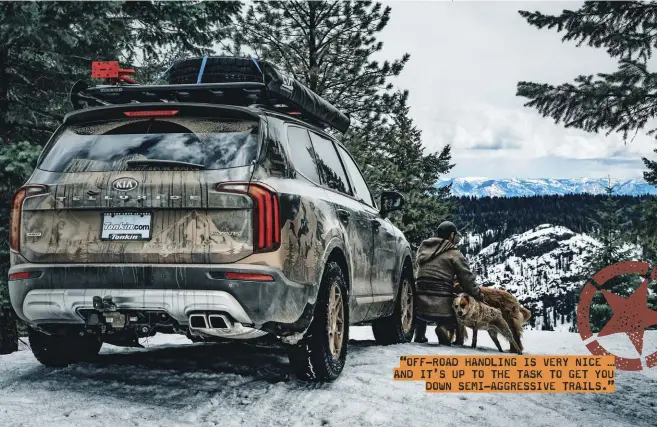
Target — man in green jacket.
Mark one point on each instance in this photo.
(437, 263)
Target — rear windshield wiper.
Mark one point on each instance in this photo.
(155, 162)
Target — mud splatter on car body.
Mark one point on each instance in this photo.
(222, 215)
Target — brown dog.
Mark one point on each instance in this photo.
(477, 315)
(514, 314)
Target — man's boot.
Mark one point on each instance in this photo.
(444, 337)
(421, 332)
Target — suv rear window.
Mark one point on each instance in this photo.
(112, 145)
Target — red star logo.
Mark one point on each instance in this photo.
(631, 315)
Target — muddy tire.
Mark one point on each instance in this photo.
(400, 326)
(321, 354)
(62, 350)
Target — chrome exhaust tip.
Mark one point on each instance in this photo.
(198, 321)
(213, 325)
(219, 321)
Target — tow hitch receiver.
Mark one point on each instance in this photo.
(106, 318)
(117, 320)
(104, 304)
(108, 311)
(124, 326)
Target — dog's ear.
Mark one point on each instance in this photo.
(465, 300)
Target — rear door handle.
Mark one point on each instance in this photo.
(343, 215)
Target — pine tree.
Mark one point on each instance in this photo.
(611, 230)
(547, 325)
(648, 243)
(399, 162)
(328, 46)
(16, 164)
(623, 101)
(484, 214)
(46, 46)
(647, 238)
(573, 313)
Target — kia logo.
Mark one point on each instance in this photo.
(125, 184)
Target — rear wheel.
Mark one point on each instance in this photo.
(399, 327)
(322, 353)
(62, 350)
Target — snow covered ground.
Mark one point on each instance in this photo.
(176, 383)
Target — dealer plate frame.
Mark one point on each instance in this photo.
(104, 214)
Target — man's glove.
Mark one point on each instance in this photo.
(480, 296)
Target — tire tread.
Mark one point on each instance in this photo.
(388, 330)
(311, 359)
(62, 350)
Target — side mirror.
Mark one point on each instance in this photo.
(391, 201)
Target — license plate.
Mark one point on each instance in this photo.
(126, 226)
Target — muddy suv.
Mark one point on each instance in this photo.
(216, 220)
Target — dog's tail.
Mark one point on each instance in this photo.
(526, 314)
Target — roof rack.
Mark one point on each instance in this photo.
(277, 92)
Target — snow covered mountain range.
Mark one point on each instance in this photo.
(482, 187)
(544, 268)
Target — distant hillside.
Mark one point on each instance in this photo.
(482, 187)
(497, 218)
(543, 267)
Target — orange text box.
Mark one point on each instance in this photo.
(509, 374)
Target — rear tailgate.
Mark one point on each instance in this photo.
(110, 199)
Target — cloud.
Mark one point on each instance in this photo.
(512, 142)
(549, 166)
(502, 141)
(466, 60)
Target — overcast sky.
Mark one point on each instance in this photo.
(466, 58)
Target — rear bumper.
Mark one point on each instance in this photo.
(55, 293)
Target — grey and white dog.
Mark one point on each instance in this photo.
(477, 315)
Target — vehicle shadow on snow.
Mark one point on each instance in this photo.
(175, 376)
(263, 362)
(453, 349)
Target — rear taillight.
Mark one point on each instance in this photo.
(249, 277)
(24, 275)
(266, 215)
(16, 206)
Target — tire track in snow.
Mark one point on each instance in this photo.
(238, 385)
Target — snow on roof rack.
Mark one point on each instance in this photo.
(276, 92)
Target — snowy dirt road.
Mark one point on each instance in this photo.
(238, 385)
